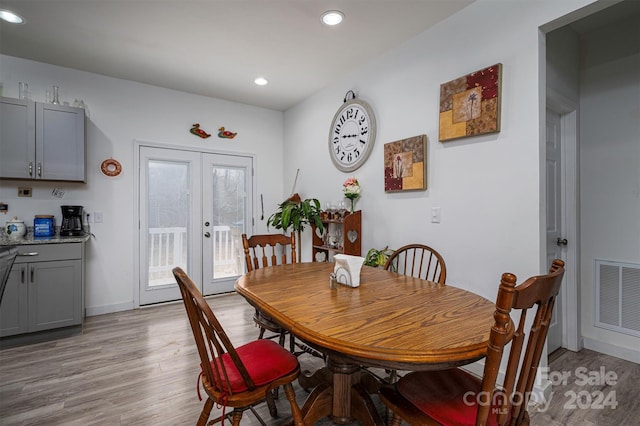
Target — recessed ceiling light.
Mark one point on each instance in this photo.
(261, 81)
(332, 17)
(9, 16)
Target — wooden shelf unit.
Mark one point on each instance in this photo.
(349, 243)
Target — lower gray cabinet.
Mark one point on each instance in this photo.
(45, 289)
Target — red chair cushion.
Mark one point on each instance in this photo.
(264, 360)
(450, 397)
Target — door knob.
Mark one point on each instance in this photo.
(561, 241)
(207, 234)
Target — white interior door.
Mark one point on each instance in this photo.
(556, 241)
(194, 208)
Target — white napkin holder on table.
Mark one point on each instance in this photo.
(347, 269)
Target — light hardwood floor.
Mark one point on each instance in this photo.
(140, 368)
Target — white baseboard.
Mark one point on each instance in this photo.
(621, 352)
(108, 309)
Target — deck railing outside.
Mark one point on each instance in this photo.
(168, 249)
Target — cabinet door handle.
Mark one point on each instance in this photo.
(39, 169)
(22, 275)
(31, 253)
(30, 168)
(33, 271)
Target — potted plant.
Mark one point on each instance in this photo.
(296, 213)
(378, 258)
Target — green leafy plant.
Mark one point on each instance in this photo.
(295, 213)
(378, 258)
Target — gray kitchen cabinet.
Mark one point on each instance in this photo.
(41, 141)
(45, 289)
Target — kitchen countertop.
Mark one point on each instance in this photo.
(30, 239)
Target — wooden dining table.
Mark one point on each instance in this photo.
(390, 321)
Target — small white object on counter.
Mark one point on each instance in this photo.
(347, 269)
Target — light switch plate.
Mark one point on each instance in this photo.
(435, 215)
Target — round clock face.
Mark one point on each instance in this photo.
(352, 134)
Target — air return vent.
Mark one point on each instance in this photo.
(617, 295)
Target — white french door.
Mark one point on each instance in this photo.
(194, 208)
(226, 210)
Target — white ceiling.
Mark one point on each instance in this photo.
(218, 47)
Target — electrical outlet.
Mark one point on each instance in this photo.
(97, 217)
(24, 191)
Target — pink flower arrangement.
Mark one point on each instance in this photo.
(351, 189)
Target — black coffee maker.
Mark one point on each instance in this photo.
(71, 221)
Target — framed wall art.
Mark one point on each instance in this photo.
(470, 105)
(405, 164)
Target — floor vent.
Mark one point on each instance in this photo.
(618, 296)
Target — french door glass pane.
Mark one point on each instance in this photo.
(168, 220)
(229, 193)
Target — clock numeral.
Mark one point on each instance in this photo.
(364, 131)
(363, 142)
(349, 113)
(362, 119)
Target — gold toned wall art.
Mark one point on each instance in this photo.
(470, 105)
(405, 164)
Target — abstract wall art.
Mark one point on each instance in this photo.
(405, 164)
(470, 105)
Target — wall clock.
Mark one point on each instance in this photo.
(352, 134)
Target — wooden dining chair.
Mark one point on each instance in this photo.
(7, 257)
(420, 261)
(454, 397)
(267, 250)
(236, 377)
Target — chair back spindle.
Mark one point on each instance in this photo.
(265, 250)
(420, 261)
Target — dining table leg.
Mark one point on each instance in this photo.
(344, 398)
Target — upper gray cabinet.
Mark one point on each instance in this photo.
(41, 141)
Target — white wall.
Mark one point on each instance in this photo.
(120, 112)
(609, 166)
(488, 187)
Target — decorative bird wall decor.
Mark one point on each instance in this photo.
(196, 130)
(225, 134)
